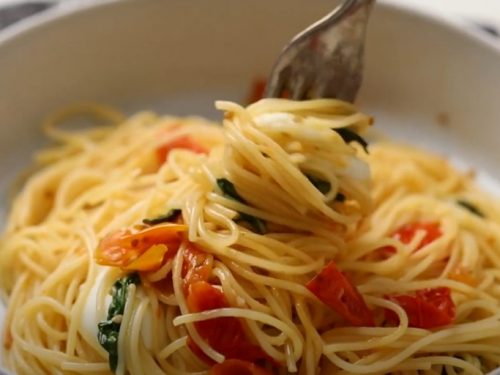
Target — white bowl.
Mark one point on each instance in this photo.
(430, 80)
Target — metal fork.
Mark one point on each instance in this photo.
(326, 59)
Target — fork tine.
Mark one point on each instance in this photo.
(298, 87)
(277, 84)
(325, 60)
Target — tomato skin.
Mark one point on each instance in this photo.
(197, 266)
(257, 90)
(406, 233)
(121, 248)
(237, 367)
(184, 141)
(203, 296)
(427, 308)
(333, 288)
(225, 335)
(151, 259)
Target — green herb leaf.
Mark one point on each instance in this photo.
(168, 217)
(107, 334)
(120, 289)
(258, 225)
(350, 136)
(470, 207)
(229, 190)
(108, 330)
(227, 187)
(324, 187)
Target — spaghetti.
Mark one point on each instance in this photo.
(165, 245)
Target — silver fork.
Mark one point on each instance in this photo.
(326, 59)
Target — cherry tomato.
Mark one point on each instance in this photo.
(225, 335)
(406, 233)
(123, 247)
(184, 141)
(237, 367)
(427, 308)
(256, 90)
(333, 288)
(197, 266)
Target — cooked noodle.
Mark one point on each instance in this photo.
(263, 246)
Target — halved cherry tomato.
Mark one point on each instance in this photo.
(203, 296)
(237, 367)
(333, 288)
(427, 308)
(150, 260)
(406, 233)
(197, 266)
(225, 335)
(184, 141)
(122, 248)
(256, 90)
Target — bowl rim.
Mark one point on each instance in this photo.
(58, 11)
(69, 8)
(458, 24)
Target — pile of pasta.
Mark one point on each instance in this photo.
(279, 242)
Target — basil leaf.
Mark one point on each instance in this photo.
(227, 187)
(350, 136)
(258, 225)
(470, 207)
(324, 187)
(108, 330)
(107, 334)
(171, 215)
(229, 190)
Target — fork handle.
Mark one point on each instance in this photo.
(343, 10)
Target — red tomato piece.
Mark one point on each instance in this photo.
(184, 141)
(427, 308)
(406, 233)
(256, 90)
(197, 266)
(203, 296)
(225, 335)
(121, 248)
(150, 260)
(237, 367)
(332, 287)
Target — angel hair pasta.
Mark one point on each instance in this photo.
(279, 242)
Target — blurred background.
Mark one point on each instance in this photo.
(485, 13)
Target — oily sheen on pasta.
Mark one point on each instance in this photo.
(276, 243)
